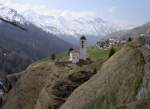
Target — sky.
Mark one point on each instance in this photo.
(124, 12)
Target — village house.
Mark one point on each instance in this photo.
(76, 55)
(2, 91)
(103, 44)
(108, 43)
(147, 39)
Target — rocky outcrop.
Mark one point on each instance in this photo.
(52, 97)
(144, 91)
(122, 82)
(63, 88)
(115, 84)
(43, 85)
(140, 104)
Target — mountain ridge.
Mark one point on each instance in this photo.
(70, 25)
(134, 32)
(24, 41)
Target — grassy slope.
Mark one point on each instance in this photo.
(97, 54)
(94, 53)
(104, 102)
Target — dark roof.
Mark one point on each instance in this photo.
(71, 49)
(148, 31)
(147, 36)
(82, 38)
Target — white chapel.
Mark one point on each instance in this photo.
(77, 55)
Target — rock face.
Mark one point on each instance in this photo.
(45, 85)
(140, 104)
(52, 97)
(62, 89)
(144, 91)
(115, 84)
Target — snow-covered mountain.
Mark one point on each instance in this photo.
(67, 25)
(12, 15)
(70, 23)
(65, 22)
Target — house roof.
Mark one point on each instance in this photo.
(71, 49)
(148, 31)
(147, 35)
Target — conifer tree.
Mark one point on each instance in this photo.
(53, 56)
(111, 52)
(129, 39)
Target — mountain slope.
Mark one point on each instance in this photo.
(116, 83)
(45, 81)
(37, 82)
(120, 83)
(21, 42)
(135, 32)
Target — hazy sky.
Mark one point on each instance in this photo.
(130, 12)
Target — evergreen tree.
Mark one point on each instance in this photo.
(95, 70)
(111, 52)
(53, 56)
(129, 39)
(70, 50)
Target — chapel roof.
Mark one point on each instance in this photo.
(147, 33)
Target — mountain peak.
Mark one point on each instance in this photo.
(11, 15)
(70, 23)
(67, 25)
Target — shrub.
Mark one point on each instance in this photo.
(129, 39)
(111, 52)
(95, 71)
(53, 56)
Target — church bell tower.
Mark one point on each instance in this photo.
(83, 41)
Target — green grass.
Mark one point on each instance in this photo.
(58, 56)
(103, 102)
(94, 53)
(62, 55)
(97, 54)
